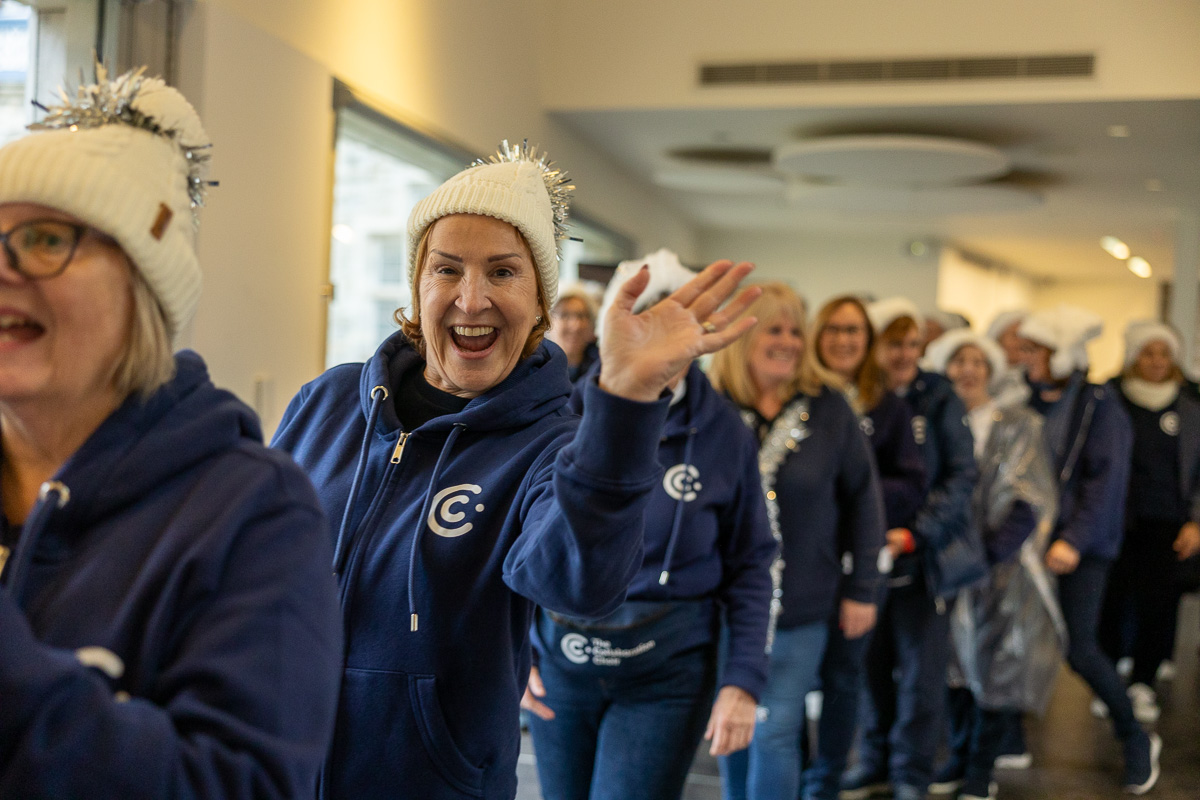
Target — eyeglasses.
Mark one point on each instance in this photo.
(848, 330)
(41, 248)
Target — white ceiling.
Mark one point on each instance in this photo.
(1092, 184)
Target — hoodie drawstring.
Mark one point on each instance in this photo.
(340, 549)
(665, 575)
(422, 523)
(52, 496)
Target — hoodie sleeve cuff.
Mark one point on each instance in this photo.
(617, 441)
(752, 681)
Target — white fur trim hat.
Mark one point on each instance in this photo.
(944, 348)
(884, 312)
(667, 275)
(519, 186)
(126, 157)
(1142, 332)
(1003, 321)
(1066, 330)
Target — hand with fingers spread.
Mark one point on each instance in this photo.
(641, 353)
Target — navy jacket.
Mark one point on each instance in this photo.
(706, 526)
(830, 503)
(941, 429)
(901, 468)
(450, 536)
(1091, 442)
(1186, 409)
(189, 567)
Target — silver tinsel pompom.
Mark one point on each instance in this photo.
(137, 101)
(558, 183)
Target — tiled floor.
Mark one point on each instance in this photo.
(1075, 755)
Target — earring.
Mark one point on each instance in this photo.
(539, 319)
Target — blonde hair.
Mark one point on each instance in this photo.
(730, 370)
(869, 379)
(147, 361)
(411, 327)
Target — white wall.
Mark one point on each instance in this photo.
(821, 266)
(977, 293)
(261, 76)
(1144, 50)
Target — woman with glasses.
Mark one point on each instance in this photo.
(845, 345)
(823, 492)
(168, 624)
(574, 329)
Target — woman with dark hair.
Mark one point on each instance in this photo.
(843, 344)
(1141, 606)
(824, 499)
(1090, 440)
(938, 553)
(469, 494)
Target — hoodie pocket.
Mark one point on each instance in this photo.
(392, 734)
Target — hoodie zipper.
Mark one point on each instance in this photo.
(398, 453)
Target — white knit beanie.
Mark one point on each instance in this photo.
(884, 312)
(944, 348)
(1003, 321)
(518, 185)
(1066, 330)
(667, 274)
(1142, 332)
(126, 156)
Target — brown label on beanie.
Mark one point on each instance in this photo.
(160, 224)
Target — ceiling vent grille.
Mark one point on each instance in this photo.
(917, 69)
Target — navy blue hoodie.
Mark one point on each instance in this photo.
(706, 527)
(1091, 441)
(830, 503)
(902, 476)
(188, 568)
(512, 502)
(941, 430)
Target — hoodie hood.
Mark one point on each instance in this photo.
(537, 386)
(144, 444)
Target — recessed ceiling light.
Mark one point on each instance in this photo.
(1119, 131)
(1115, 247)
(1154, 185)
(1139, 266)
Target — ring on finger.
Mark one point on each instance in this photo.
(709, 327)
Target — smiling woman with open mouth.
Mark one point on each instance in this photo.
(468, 493)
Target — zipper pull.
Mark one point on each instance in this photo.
(398, 453)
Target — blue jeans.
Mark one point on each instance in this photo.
(623, 737)
(906, 682)
(841, 685)
(1081, 596)
(770, 768)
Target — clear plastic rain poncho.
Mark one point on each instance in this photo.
(1008, 632)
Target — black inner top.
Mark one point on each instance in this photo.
(417, 402)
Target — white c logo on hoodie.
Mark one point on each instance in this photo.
(682, 482)
(443, 502)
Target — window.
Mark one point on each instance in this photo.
(15, 50)
(44, 46)
(381, 170)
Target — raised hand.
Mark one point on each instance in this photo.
(640, 354)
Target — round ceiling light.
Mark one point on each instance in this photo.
(891, 160)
